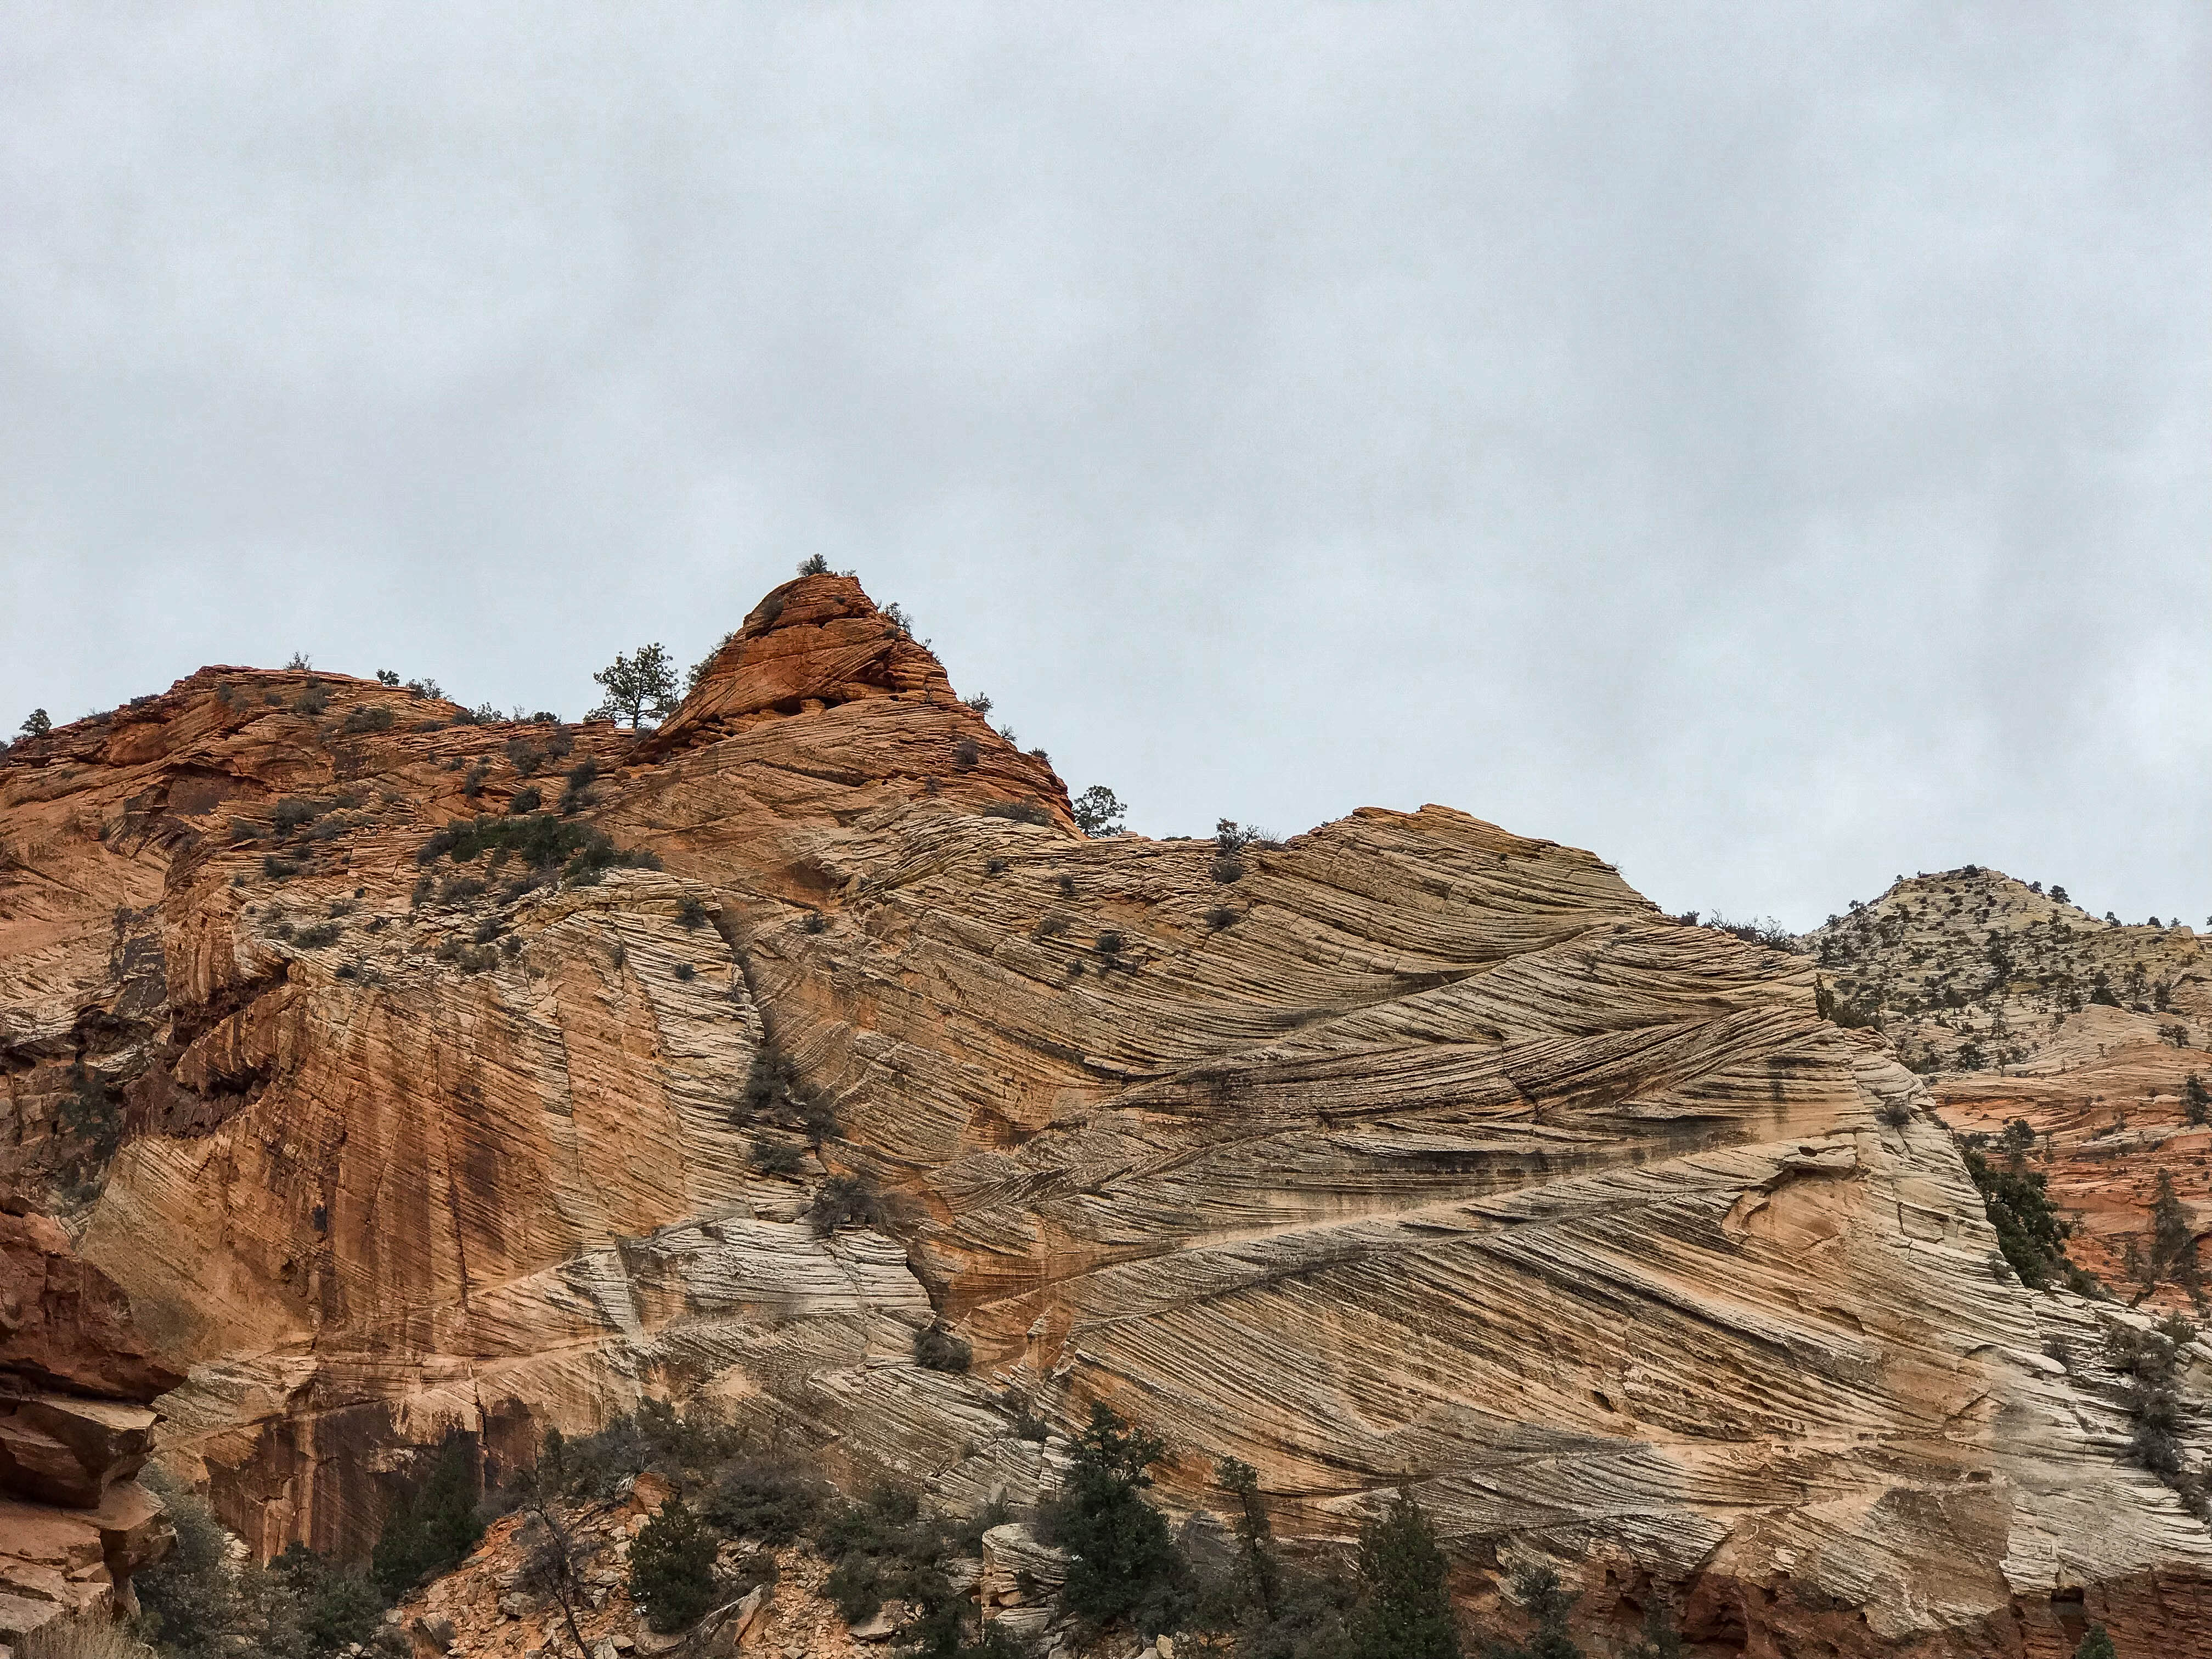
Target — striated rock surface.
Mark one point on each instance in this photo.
(74, 1524)
(1408, 1152)
(2019, 1005)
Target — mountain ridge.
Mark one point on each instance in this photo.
(1468, 1171)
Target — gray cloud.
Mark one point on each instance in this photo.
(1766, 444)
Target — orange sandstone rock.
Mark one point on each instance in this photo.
(1413, 1152)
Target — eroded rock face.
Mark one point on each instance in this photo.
(74, 1523)
(2021, 1007)
(1410, 1152)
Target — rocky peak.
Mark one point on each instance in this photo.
(2020, 1007)
(814, 643)
(840, 686)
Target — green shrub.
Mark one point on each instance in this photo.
(779, 1159)
(689, 912)
(814, 565)
(937, 1349)
(321, 935)
(2030, 1230)
(338, 1606)
(1021, 811)
(2152, 1362)
(187, 1601)
(770, 1499)
(526, 799)
(1259, 1575)
(775, 1093)
(1229, 839)
(882, 1548)
(431, 1529)
(1841, 1010)
(295, 813)
(313, 698)
(576, 790)
(1220, 916)
(369, 717)
(844, 1201)
(539, 840)
(1026, 1423)
(671, 1568)
(280, 869)
(2173, 1243)
(685, 971)
(966, 755)
(194, 1605)
(594, 1465)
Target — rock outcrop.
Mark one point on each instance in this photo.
(74, 1523)
(1410, 1152)
(2018, 1005)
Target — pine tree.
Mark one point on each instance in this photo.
(432, 1530)
(1099, 812)
(1660, 1639)
(1405, 1610)
(639, 688)
(2174, 1243)
(38, 725)
(1539, 1591)
(1124, 1565)
(2097, 1645)
(1258, 1576)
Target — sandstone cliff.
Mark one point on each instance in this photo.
(1411, 1152)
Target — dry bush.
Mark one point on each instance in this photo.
(81, 1638)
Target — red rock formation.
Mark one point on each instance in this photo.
(74, 1524)
(1409, 1151)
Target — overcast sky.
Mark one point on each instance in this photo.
(1770, 444)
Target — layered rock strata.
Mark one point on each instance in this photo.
(74, 1523)
(1409, 1153)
